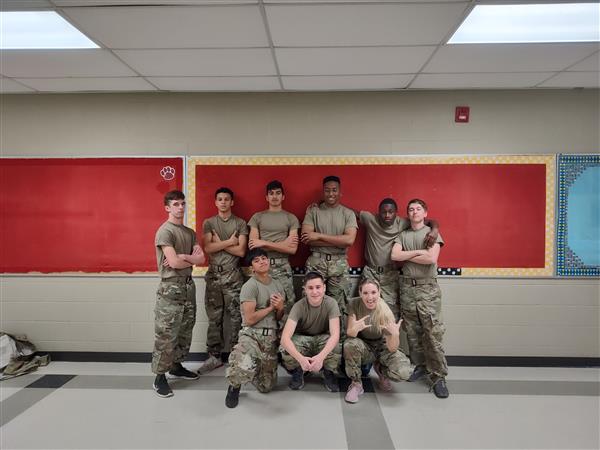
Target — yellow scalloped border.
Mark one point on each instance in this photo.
(548, 160)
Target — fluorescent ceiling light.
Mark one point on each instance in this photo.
(39, 29)
(558, 22)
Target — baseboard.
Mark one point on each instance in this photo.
(491, 361)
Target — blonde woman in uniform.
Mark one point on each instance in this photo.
(373, 337)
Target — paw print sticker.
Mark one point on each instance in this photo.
(168, 173)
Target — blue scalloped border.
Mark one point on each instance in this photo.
(569, 169)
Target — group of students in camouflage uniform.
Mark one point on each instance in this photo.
(313, 333)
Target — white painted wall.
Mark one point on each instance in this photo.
(510, 317)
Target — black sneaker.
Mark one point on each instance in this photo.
(161, 386)
(233, 396)
(440, 389)
(297, 382)
(178, 371)
(330, 381)
(418, 373)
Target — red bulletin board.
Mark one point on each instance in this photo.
(83, 215)
(492, 215)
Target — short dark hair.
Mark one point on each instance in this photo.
(417, 200)
(388, 201)
(312, 276)
(224, 190)
(255, 253)
(275, 184)
(329, 178)
(173, 195)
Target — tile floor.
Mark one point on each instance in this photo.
(112, 405)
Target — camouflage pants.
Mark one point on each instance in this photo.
(282, 271)
(422, 312)
(311, 346)
(222, 294)
(174, 319)
(358, 352)
(389, 283)
(337, 281)
(254, 359)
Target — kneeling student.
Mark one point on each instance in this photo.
(254, 358)
(373, 336)
(311, 335)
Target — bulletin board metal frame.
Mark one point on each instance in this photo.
(550, 184)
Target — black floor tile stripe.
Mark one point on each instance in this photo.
(24, 399)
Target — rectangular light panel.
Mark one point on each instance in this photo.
(558, 22)
(39, 30)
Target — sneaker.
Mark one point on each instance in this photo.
(161, 386)
(330, 381)
(440, 389)
(233, 397)
(297, 382)
(418, 373)
(384, 383)
(178, 371)
(355, 390)
(210, 364)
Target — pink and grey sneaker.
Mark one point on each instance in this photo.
(384, 383)
(355, 390)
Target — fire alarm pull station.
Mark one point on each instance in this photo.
(461, 114)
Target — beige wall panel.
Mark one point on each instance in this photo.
(586, 316)
(80, 289)
(555, 324)
(358, 123)
(546, 292)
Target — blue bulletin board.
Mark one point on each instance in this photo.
(578, 231)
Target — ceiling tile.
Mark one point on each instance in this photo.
(590, 64)
(348, 61)
(88, 84)
(216, 83)
(19, 5)
(479, 80)
(149, 2)
(207, 62)
(355, 25)
(8, 86)
(61, 63)
(348, 82)
(507, 57)
(172, 27)
(574, 80)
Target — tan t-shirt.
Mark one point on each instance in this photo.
(332, 221)
(380, 238)
(274, 226)
(358, 308)
(224, 229)
(314, 320)
(182, 239)
(413, 240)
(254, 290)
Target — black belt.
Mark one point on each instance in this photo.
(382, 269)
(419, 281)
